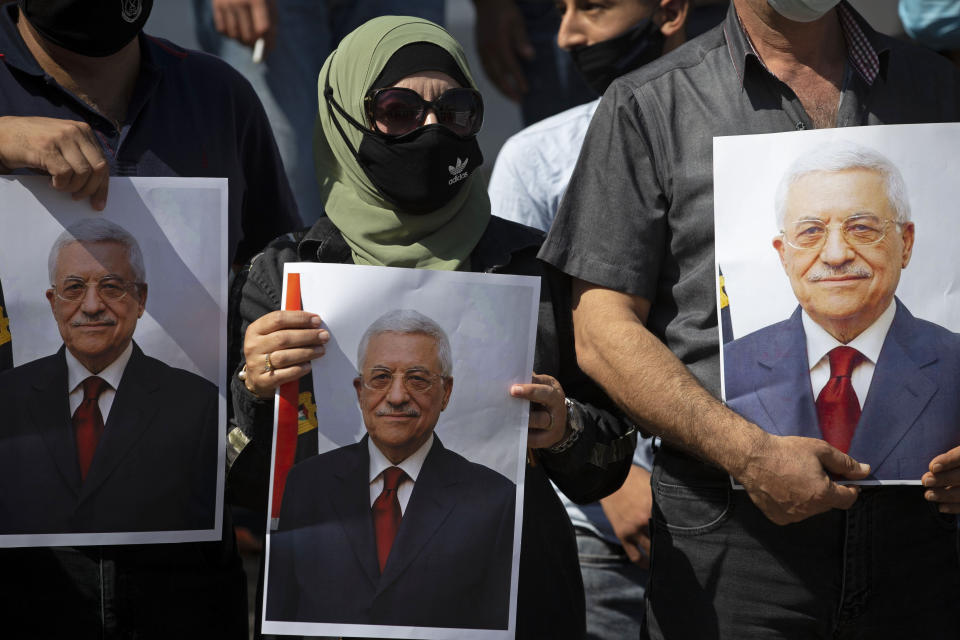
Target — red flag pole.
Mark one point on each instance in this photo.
(287, 413)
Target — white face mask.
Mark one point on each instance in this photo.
(802, 10)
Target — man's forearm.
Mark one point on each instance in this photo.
(786, 477)
(656, 390)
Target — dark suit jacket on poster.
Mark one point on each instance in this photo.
(449, 565)
(912, 410)
(155, 468)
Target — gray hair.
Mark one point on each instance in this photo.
(92, 230)
(409, 321)
(840, 156)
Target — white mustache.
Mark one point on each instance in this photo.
(827, 272)
(97, 319)
(406, 413)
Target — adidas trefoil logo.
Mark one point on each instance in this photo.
(460, 166)
(458, 171)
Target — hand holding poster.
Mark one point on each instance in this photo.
(100, 442)
(407, 524)
(834, 336)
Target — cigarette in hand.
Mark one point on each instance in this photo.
(258, 51)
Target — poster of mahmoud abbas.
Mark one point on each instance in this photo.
(839, 302)
(407, 522)
(113, 323)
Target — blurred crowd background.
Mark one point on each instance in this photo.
(174, 19)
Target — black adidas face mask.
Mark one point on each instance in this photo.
(603, 62)
(93, 28)
(419, 171)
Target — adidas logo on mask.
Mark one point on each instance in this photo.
(458, 171)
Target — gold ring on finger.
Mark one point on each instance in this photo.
(267, 365)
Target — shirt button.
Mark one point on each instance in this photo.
(800, 125)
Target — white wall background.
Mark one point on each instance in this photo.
(747, 170)
(490, 321)
(180, 225)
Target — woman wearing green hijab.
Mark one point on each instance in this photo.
(396, 155)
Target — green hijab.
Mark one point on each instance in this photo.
(377, 233)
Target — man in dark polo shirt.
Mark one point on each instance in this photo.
(83, 95)
(726, 563)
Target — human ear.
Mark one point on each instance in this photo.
(448, 389)
(671, 16)
(778, 245)
(907, 236)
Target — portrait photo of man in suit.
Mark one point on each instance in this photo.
(851, 365)
(395, 529)
(99, 437)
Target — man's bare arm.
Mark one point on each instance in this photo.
(503, 46)
(786, 477)
(246, 21)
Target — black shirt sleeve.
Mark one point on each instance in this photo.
(269, 208)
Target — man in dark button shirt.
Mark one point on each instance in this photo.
(646, 329)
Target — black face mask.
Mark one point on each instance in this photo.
(93, 28)
(420, 171)
(603, 62)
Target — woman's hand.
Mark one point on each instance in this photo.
(279, 347)
(548, 415)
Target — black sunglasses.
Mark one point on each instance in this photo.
(395, 111)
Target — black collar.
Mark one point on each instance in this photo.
(743, 54)
(501, 240)
(324, 242)
(156, 55)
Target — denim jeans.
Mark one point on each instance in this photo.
(286, 80)
(613, 588)
(889, 567)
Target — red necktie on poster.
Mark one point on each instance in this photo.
(287, 407)
(837, 406)
(88, 423)
(386, 513)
